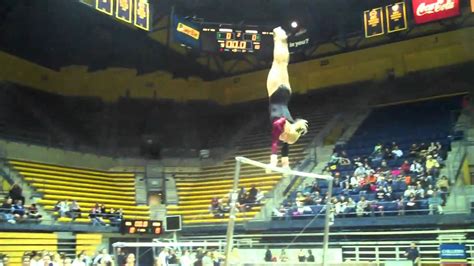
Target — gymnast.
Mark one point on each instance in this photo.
(285, 129)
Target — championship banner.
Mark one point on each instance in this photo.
(105, 6)
(373, 22)
(396, 17)
(452, 254)
(426, 11)
(142, 14)
(124, 10)
(186, 32)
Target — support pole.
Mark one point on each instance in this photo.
(231, 224)
(326, 223)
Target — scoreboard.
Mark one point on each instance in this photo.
(218, 39)
(141, 227)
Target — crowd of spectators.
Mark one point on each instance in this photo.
(13, 211)
(98, 214)
(199, 257)
(283, 257)
(404, 182)
(245, 201)
(101, 258)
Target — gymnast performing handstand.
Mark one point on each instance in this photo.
(284, 128)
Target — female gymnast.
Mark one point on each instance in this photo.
(284, 128)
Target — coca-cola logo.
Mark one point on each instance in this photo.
(431, 10)
(439, 6)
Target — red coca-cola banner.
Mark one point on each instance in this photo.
(430, 10)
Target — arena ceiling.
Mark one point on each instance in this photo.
(57, 33)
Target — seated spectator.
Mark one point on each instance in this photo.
(377, 149)
(96, 216)
(388, 195)
(344, 159)
(419, 192)
(384, 169)
(300, 198)
(422, 150)
(6, 210)
(103, 258)
(432, 149)
(62, 207)
(241, 196)
(439, 147)
(260, 196)
(74, 210)
(416, 168)
(317, 199)
(252, 196)
(360, 171)
(397, 153)
(19, 210)
(103, 210)
(362, 207)
(409, 191)
(315, 187)
(413, 152)
(429, 191)
(443, 186)
(380, 193)
(434, 203)
(214, 204)
(387, 154)
(411, 205)
(115, 216)
(280, 212)
(405, 168)
(33, 212)
(334, 160)
(350, 207)
(432, 166)
(16, 193)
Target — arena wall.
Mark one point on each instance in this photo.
(378, 63)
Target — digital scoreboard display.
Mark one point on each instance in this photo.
(141, 227)
(216, 39)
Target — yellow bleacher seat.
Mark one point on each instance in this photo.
(87, 186)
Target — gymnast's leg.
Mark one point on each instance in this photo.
(278, 74)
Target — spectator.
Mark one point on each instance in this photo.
(413, 254)
(388, 195)
(103, 258)
(268, 255)
(16, 193)
(360, 171)
(419, 192)
(33, 212)
(116, 216)
(397, 153)
(429, 191)
(6, 210)
(19, 210)
(74, 210)
(362, 207)
(443, 185)
(416, 168)
(67, 261)
(162, 259)
(310, 257)
(283, 256)
(432, 166)
(301, 256)
(405, 167)
(62, 207)
(411, 205)
(435, 203)
(432, 149)
(253, 194)
(410, 191)
(172, 259)
(206, 259)
(96, 216)
(413, 152)
(121, 256)
(185, 259)
(36, 259)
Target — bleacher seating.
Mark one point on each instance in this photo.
(405, 124)
(87, 187)
(15, 244)
(195, 190)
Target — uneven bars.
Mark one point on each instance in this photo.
(281, 170)
(166, 245)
